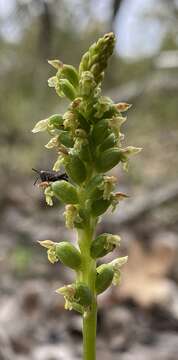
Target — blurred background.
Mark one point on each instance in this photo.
(139, 319)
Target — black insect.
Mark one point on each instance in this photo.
(49, 176)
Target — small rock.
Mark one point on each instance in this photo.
(52, 352)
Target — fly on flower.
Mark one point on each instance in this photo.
(49, 176)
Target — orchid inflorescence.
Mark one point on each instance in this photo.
(88, 141)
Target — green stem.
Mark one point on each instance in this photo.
(88, 276)
(89, 333)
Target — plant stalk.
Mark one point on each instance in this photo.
(89, 333)
(88, 275)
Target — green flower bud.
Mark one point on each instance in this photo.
(66, 139)
(65, 192)
(75, 168)
(65, 88)
(76, 294)
(87, 84)
(96, 181)
(84, 63)
(98, 207)
(70, 73)
(84, 214)
(83, 122)
(98, 54)
(68, 255)
(95, 70)
(104, 278)
(103, 245)
(56, 121)
(41, 125)
(83, 149)
(109, 142)
(108, 159)
(83, 294)
(100, 131)
(63, 251)
(65, 71)
(95, 187)
(85, 153)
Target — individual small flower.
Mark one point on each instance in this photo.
(103, 105)
(77, 293)
(70, 121)
(115, 123)
(104, 244)
(49, 195)
(47, 244)
(122, 107)
(59, 162)
(70, 215)
(108, 186)
(125, 153)
(51, 250)
(57, 64)
(65, 71)
(41, 125)
(68, 292)
(52, 82)
(53, 142)
(117, 264)
(116, 198)
(80, 133)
